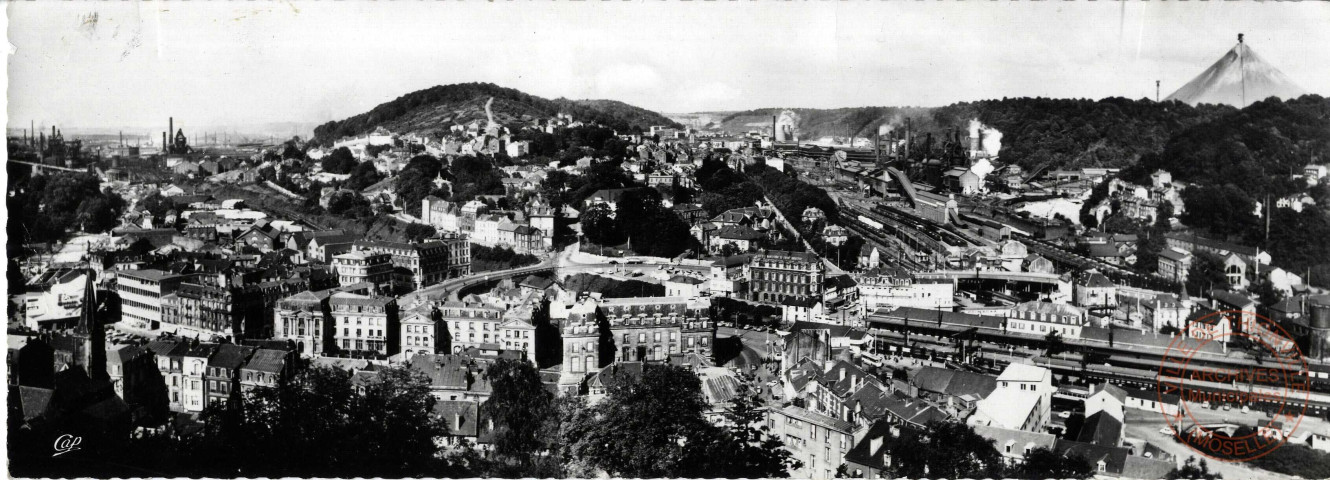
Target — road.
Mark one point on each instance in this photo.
(1145, 425)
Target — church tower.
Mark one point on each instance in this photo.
(91, 332)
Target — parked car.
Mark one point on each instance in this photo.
(1168, 431)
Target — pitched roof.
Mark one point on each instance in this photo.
(954, 382)
(737, 232)
(462, 416)
(1101, 429)
(230, 356)
(818, 419)
(1111, 389)
(266, 360)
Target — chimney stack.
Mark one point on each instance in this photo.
(908, 132)
(170, 127)
(775, 130)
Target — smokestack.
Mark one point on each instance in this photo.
(1156, 91)
(908, 132)
(775, 130)
(980, 143)
(170, 130)
(163, 142)
(1239, 38)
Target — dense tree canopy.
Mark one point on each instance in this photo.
(339, 161)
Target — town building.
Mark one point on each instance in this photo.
(471, 325)
(777, 275)
(817, 441)
(305, 319)
(141, 293)
(879, 288)
(643, 329)
(426, 263)
(224, 372)
(362, 266)
(420, 332)
(364, 323)
(1022, 400)
(1039, 318)
(266, 368)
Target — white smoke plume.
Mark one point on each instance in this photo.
(992, 137)
(787, 125)
(982, 168)
(884, 130)
(992, 141)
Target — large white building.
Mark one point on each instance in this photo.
(472, 325)
(1022, 400)
(1039, 318)
(890, 291)
(141, 293)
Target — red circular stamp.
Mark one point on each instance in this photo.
(1233, 408)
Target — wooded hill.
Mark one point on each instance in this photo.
(437, 108)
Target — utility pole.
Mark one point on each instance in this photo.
(1156, 91)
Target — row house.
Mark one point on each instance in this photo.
(643, 329)
(1039, 318)
(209, 309)
(223, 370)
(819, 442)
(363, 323)
(471, 325)
(266, 368)
(428, 262)
(422, 332)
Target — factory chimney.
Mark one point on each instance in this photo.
(980, 144)
(908, 132)
(974, 144)
(170, 128)
(775, 130)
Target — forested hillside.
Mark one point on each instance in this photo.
(437, 108)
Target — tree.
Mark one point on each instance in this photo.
(98, 214)
(526, 421)
(317, 425)
(947, 450)
(1206, 272)
(843, 471)
(598, 225)
(362, 176)
(156, 204)
(416, 232)
(1191, 469)
(745, 448)
(339, 161)
(349, 204)
(1053, 344)
(646, 427)
(1043, 463)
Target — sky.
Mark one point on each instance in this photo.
(133, 64)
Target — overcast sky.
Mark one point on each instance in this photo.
(133, 64)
